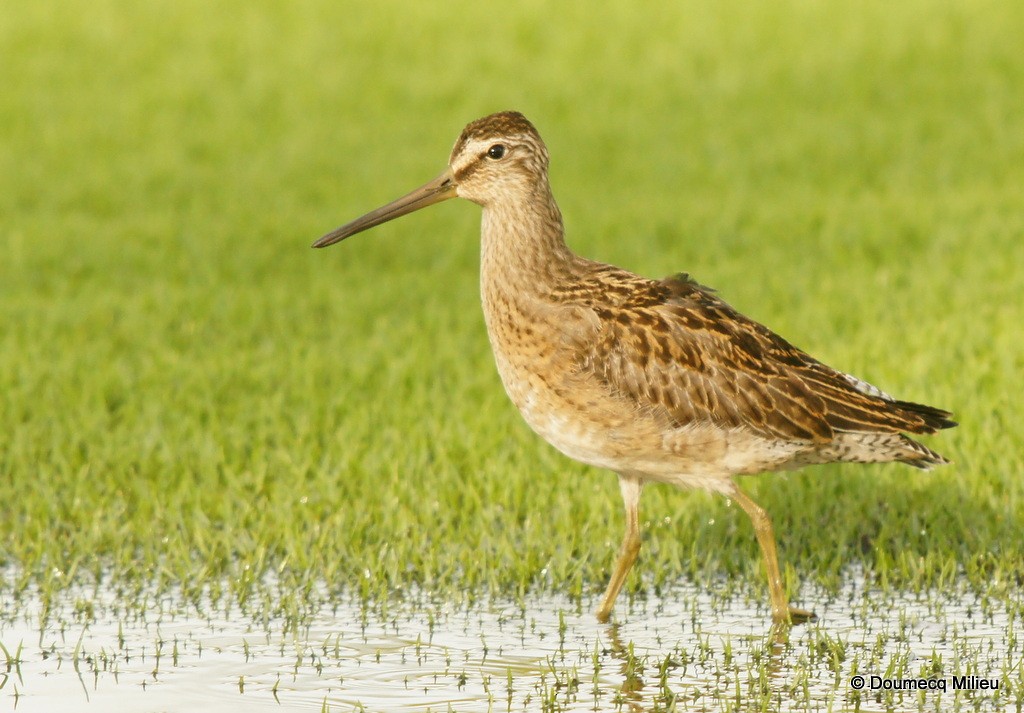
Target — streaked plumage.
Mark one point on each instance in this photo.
(658, 380)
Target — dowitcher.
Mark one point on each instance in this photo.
(657, 380)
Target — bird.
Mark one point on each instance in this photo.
(660, 381)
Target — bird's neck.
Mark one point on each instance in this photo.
(523, 248)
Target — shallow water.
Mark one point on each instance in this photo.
(684, 650)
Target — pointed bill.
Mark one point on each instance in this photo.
(440, 189)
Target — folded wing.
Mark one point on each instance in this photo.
(675, 348)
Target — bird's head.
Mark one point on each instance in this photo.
(494, 157)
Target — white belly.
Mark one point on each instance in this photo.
(606, 434)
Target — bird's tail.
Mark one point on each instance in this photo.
(920, 455)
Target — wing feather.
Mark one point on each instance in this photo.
(674, 347)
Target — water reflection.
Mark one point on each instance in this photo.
(684, 650)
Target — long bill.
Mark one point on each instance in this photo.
(440, 189)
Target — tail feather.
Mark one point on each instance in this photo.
(920, 455)
(876, 447)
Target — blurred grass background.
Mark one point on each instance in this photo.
(190, 396)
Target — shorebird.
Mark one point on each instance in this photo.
(656, 380)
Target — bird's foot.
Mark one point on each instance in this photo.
(795, 615)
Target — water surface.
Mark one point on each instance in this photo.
(684, 650)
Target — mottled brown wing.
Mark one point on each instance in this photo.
(674, 347)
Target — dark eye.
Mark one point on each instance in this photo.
(496, 151)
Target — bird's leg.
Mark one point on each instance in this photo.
(630, 487)
(781, 611)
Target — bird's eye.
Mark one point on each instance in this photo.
(496, 152)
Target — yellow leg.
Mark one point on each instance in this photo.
(781, 611)
(630, 487)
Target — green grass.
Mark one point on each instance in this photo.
(193, 398)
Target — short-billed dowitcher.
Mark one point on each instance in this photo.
(657, 380)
